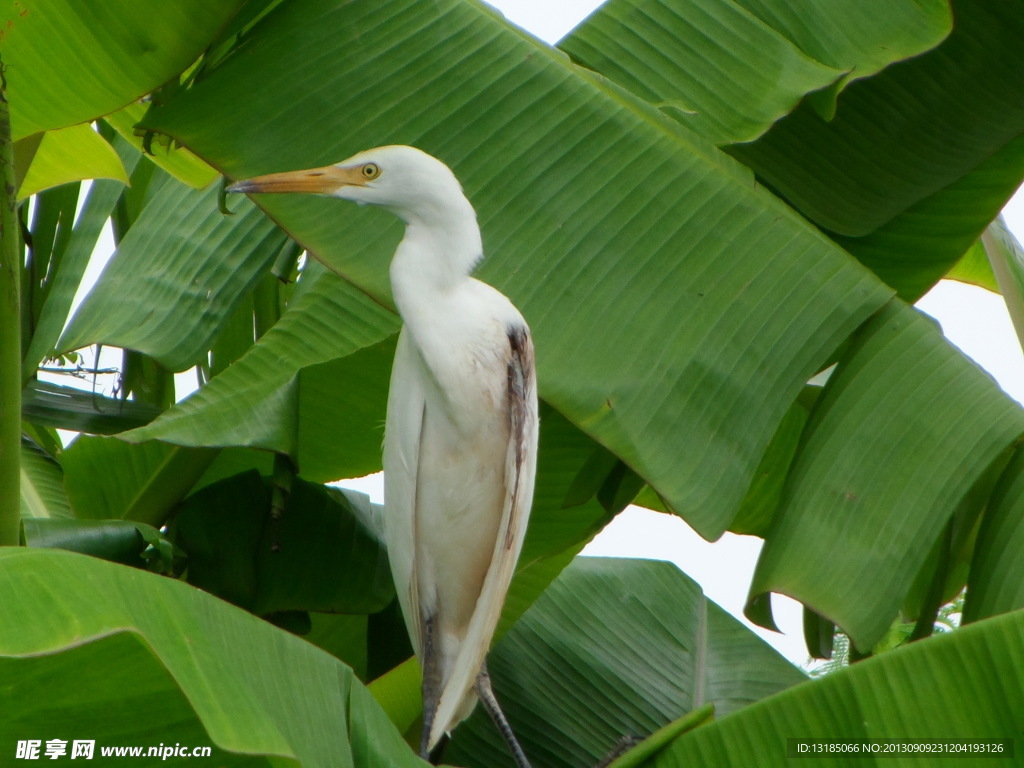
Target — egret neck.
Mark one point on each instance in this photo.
(434, 293)
(440, 248)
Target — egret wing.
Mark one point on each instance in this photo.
(520, 471)
(402, 436)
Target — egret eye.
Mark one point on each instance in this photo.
(371, 171)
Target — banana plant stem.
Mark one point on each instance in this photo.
(10, 336)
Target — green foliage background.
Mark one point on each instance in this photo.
(699, 206)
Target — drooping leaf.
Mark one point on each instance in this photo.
(154, 661)
(996, 585)
(317, 556)
(1006, 257)
(730, 70)
(819, 635)
(947, 567)
(973, 268)
(906, 133)
(926, 241)
(108, 478)
(911, 248)
(616, 648)
(937, 426)
(681, 55)
(765, 494)
(868, 37)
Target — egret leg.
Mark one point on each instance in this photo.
(486, 695)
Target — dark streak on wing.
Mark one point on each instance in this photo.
(520, 373)
(431, 688)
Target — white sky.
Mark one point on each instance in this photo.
(972, 318)
(549, 20)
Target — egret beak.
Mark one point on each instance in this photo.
(317, 181)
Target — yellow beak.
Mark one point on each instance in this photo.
(321, 181)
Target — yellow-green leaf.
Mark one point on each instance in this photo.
(69, 154)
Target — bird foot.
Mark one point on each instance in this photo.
(487, 698)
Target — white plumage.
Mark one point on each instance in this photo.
(460, 441)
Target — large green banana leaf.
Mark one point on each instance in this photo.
(154, 661)
(127, 50)
(729, 70)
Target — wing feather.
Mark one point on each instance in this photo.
(403, 432)
(520, 472)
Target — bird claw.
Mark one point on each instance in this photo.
(487, 698)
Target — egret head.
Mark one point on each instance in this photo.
(405, 180)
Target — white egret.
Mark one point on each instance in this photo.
(460, 441)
